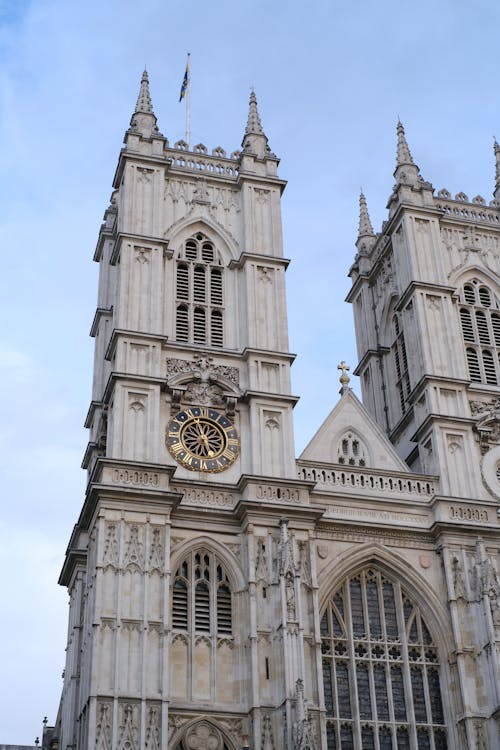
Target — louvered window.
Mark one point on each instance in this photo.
(201, 587)
(380, 669)
(216, 330)
(180, 605)
(401, 365)
(480, 321)
(199, 327)
(199, 293)
(182, 323)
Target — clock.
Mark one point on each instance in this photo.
(202, 439)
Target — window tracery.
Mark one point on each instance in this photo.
(480, 321)
(380, 669)
(351, 450)
(201, 596)
(199, 291)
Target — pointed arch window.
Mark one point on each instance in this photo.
(201, 595)
(380, 668)
(199, 291)
(400, 364)
(480, 322)
(203, 649)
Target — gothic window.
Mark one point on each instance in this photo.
(400, 364)
(199, 292)
(480, 321)
(380, 669)
(201, 596)
(351, 450)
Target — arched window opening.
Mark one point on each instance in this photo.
(380, 668)
(201, 587)
(351, 450)
(182, 281)
(473, 364)
(480, 322)
(400, 365)
(199, 327)
(182, 323)
(199, 286)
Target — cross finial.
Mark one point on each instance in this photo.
(344, 378)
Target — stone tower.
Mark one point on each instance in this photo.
(191, 408)
(224, 594)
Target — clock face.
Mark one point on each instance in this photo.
(202, 439)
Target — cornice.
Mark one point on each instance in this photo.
(99, 313)
(266, 395)
(138, 239)
(124, 332)
(258, 258)
(127, 154)
(415, 285)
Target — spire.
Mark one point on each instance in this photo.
(406, 172)
(404, 156)
(496, 148)
(366, 235)
(254, 140)
(143, 120)
(254, 125)
(144, 99)
(365, 225)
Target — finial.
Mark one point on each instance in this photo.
(365, 225)
(344, 378)
(37, 741)
(144, 104)
(45, 721)
(496, 149)
(254, 125)
(404, 156)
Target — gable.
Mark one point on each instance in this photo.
(349, 436)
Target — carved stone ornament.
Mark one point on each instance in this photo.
(203, 736)
(134, 550)
(156, 557)
(267, 733)
(303, 738)
(261, 569)
(487, 427)
(290, 597)
(305, 565)
(129, 729)
(458, 579)
(204, 394)
(103, 734)
(208, 384)
(110, 557)
(481, 735)
(153, 729)
(286, 557)
(203, 369)
(487, 583)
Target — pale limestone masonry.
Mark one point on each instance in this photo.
(341, 600)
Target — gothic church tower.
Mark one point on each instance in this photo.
(191, 416)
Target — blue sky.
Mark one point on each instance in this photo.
(331, 79)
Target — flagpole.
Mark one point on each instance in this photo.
(188, 102)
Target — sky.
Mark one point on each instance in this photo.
(331, 79)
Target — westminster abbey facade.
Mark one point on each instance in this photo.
(225, 594)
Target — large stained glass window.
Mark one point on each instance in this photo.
(380, 669)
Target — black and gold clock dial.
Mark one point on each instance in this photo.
(202, 439)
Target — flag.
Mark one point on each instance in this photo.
(185, 82)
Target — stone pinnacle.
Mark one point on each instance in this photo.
(144, 104)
